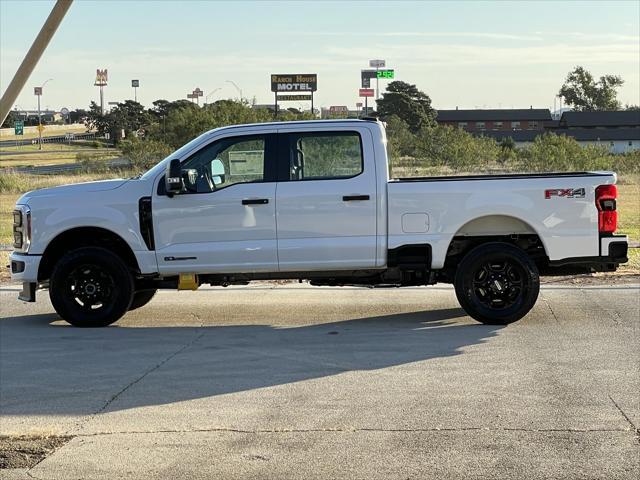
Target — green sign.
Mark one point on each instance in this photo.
(384, 73)
(18, 127)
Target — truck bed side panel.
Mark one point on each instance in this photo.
(567, 226)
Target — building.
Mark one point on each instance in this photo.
(619, 131)
(495, 120)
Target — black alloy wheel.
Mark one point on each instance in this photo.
(91, 287)
(497, 283)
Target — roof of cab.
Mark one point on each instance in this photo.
(350, 121)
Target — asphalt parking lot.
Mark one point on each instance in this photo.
(293, 381)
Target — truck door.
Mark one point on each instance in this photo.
(224, 219)
(326, 201)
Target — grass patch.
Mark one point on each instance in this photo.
(629, 207)
(52, 154)
(48, 132)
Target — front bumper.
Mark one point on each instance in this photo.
(613, 252)
(24, 269)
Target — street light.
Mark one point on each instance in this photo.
(38, 92)
(237, 87)
(206, 99)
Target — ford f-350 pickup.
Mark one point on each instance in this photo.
(309, 201)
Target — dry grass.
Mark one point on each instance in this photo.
(74, 128)
(51, 154)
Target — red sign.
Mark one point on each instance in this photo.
(366, 92)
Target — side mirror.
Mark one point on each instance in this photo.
(217, 171)
(173, 178)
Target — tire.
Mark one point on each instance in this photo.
(91, 287)
(497, 283)
(141, 298)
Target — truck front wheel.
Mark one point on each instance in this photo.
(91, 287)
(497, 283)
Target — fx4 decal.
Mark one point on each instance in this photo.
(564, 192)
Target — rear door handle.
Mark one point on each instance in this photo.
(349, 198)
(255, 201)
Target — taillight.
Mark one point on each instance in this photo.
(606, 203)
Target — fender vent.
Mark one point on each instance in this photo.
(146, 222)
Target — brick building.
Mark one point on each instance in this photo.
(495, 120)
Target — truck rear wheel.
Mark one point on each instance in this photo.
(91, 287)
(141, 298)
(497, 283)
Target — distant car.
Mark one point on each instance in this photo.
(309, 200)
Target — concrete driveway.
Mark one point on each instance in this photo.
(301, 382)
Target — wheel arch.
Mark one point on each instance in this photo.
(78, 237)
(494, 228)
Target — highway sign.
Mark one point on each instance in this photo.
(366, 92)
(377, 63)
(385, 73)
(359, 105)
(198, 93)
(135, 83)
(18, 127)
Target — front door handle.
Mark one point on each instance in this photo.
(255, 201)
(349, 198)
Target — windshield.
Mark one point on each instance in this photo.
(181, 152)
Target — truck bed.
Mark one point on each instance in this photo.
(434, 210)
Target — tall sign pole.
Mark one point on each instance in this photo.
(377, 64)
(33, 55)
(135, 84)
(101, 82)
(37, 91)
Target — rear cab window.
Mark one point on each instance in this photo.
(324, 156)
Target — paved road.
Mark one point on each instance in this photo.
(301, 382)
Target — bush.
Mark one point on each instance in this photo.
(144, 153)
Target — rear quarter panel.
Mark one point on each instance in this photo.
(567, 227)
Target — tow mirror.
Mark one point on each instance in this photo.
(173, 177)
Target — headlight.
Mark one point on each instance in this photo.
(22, 228)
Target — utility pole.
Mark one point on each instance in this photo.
(236, 86)
(33, 55)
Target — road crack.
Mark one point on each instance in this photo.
(199, 334)
(356, 430)
(626, 417)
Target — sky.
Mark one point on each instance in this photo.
(466, 54)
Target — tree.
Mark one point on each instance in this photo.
(632, 108)
(584, 94)
(78, 115)
(409, 104)
(96, 120)
(10, 121)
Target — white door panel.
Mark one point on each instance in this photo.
(321, 226)
(215, 232)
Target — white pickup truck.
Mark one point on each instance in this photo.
(309, 201)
